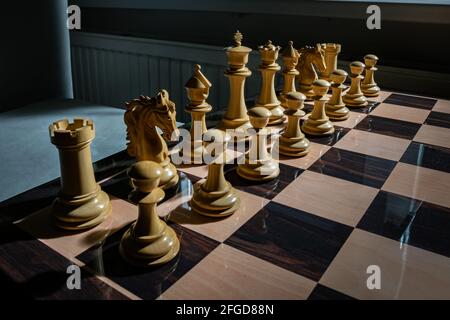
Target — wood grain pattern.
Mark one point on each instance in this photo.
(407, 272)
(442, 106)
(335, 199)
(390, 127)
(218, 229)
(411, 101)
(316, 151)
(238, 276)
(353, 119)
(437, 136)
(147, 283)
(40, 273)
(397, 112)
(292, 239)
(439, 119)
(428, 156)
(322, 292)
(354, 167)
(373, 144)
(409, 221)
(419, 183)
(71, 244)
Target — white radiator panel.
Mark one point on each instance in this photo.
(110, 69)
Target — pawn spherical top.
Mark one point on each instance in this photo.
(259, 117)
(320, 87)
(370, 60)
(338, 76)
(295, 100)
(357, 67)
(145, 175)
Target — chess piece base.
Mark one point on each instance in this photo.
(355, 101)
(317, 127)
(293, 147)
(337, 112)
(370, 90)
(149, 251)
(259, 172)
(215, 204)
(80, 214)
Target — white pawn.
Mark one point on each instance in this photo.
(149, 241)
(354, 97)
(293, 142)
(335, 108)
(369, 87)
(318, 124)
(215, 197)
(259, 164)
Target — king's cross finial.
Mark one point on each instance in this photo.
(238, 38)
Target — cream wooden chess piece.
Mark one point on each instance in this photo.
(368, 86)
(81, 204)
(149, 241)
(332, 51)
(197, 89)
(318, 124)
(293, 142)
(310, 58)
(236, 118)
(290, 59)
(335, 108)
(143, 117)
(354, 97)
(259, 165)
(267, 96)
(215, 197)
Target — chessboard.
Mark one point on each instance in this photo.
(375, 194)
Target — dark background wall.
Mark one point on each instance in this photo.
(35, 56)
(401, 42)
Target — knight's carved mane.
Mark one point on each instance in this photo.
(141, 115)
(305, 52)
